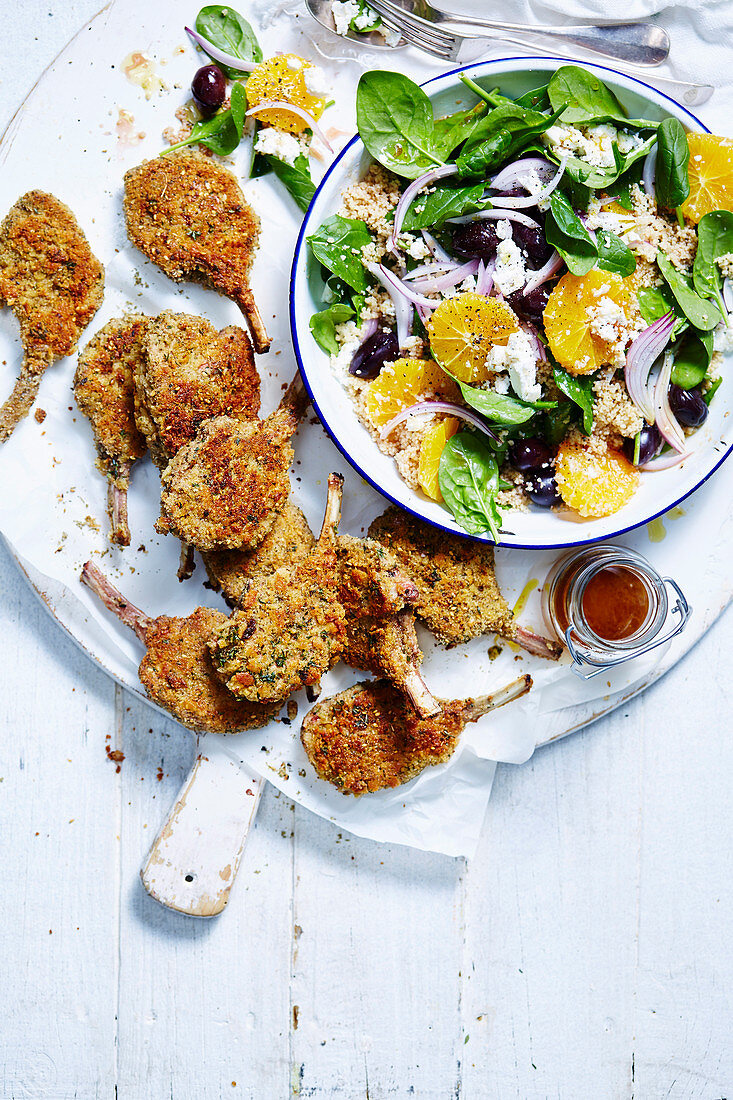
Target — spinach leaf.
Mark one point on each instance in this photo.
(395, 121)
(692, 359)
(323, 326)
(655, 301)
(708, 397)
(555, 423)
(451, 131)
(714, 239)
(614, 254)
(504, 132)
(588, 99)
(296, 177)
(539, 99)
(222, 133)
(337, 243)
(231, 32)
(625, 182)
(580, 392)
(432, 209)
(701, 312)
(600, 178)
(506, 411)
(672, 184)
(565, 231)
(468, 476)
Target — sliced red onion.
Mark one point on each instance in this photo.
(546, 272)
(728, 294)
(283, 105)
(518, 201)
(423, 314)
(436, 248)
(667, 422)
(397, 292)
(409, 194)
(439, 284)
(368, 330)
(436, 407)
(664, 462)
(495, 214)
(608, 199)
(640, 358)
(430, 269)
(516, 172)
(393, 285)
(219, 55)
(648, 171)
(531, 331)
(485, 277)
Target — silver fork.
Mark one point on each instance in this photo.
(635, 43)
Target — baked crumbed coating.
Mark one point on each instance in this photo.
(189, 373)
(178, 675)
(225, 488)
(188, 215)
(290, 541)
(104, 390)
(458, 597)
(54, 285)
(369, 737)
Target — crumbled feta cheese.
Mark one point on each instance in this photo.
(629, 140)
(609, 322)
(532, 183)
(348, 336)
(723, 337)
(503, 229)
(501, 384)
(519, 359)
(295, 64)
(510, 273)
(277, 143)
(367, 19)
(316, 82)
(414, 246)
(593, 144)
(343, 12)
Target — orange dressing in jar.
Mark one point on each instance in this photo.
(615, 603)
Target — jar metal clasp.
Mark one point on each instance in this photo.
(586, 666)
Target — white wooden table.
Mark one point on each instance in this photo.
(585, 952)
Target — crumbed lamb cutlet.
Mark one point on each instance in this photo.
(54, 285)
(189, 373)
(459, 598)
(380, 627)
(176, 671)
(225, 489)
(289, 542)
(189, 216)
(104, 391)
(368, 737)
(289, 628)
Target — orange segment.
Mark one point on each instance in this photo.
(463, 329)
(711, 175)
(567, 324)
(283, 78)
(594, 483)
(431, 448)
(401, 384)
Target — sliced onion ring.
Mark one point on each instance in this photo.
(546, 272)
(392, 283)
(518, 201)
(436, 407)
(485, 277)
(640, 358)
(666, 421)
(439, 283)
(409, 194)
(664, 462)
(519, 169)
(283, 105)
(495, 214)
(649, 170)
(430, 269)
(219, 55)
(728, 294)
(402, 307)
(435, 247)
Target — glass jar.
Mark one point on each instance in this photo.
(608, 605)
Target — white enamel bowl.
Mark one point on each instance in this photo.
(536, 528)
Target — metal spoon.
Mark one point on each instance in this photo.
(323, 14)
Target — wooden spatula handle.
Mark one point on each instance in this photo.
(194, 859)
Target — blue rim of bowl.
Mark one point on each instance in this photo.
(296, 344)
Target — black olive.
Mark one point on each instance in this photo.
(688, 406)
(370, 357)
(209, 88)
(475, 240)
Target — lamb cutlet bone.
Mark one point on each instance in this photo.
(189, 216)
(368, 737)
(54, 285)
(176, 671)
(289, 629)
